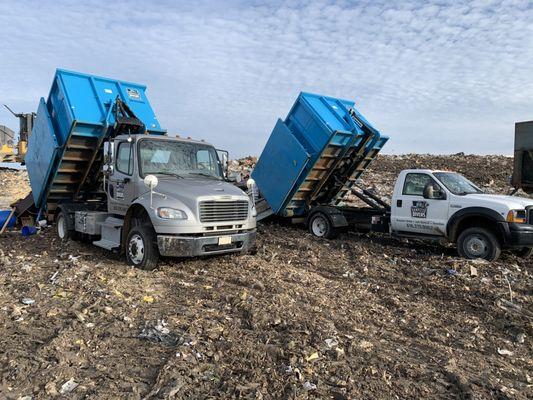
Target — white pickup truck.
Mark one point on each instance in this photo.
(429, 204)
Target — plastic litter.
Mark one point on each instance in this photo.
(27, 301)
(68, 386)
(158, 333)
(28, 230)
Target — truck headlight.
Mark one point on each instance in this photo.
(171, 213)
(517, 216)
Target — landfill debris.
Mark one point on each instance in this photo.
(68, 386)
(451, 272)
(159, 333)
(521, 338)
(86, 321)
(505, 352)
(309, 386)
(27, 301)
(473, 271)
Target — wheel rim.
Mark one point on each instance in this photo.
(319, 226)
(477, 246)
(136, 249)
(61, 228)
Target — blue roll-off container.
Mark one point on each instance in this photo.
(79, 106)
(320, 140)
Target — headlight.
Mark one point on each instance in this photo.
(171, 213)
(517, 216)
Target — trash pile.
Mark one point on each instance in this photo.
(361, 316)
(14, 185)
(242, 167)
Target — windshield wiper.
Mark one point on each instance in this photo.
(169, 174)
(204, 174)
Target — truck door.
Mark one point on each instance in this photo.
(121, 185)
(421, 207)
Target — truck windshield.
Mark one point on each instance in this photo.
(179, 159)
(457, 183)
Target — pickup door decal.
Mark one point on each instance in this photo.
(419, 209)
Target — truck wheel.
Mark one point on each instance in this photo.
(62, 227)
(141, 248)
(524, 252)
(321, 226)
(478, 243)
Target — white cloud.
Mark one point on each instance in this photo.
(436, 76)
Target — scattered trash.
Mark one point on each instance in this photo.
(27, 301)
(505, 352)
(28, 230)
(158, 333)
(473, 271)
(148, 299)
(68, 386)
(521, 338)
(312, 357)
(53, 278)
(451, 272)
(331, 343)
(309, 386)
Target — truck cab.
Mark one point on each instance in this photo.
(165, 196)
(446, 205)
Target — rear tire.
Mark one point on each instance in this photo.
(525, 252)
(321, 226)
(476, 243)
(141, 248)
(62, 227)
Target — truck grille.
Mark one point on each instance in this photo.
(222, 211)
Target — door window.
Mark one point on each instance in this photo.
(415, 183)
(124, 160)
(423, 185)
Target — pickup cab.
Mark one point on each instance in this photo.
(446, 205)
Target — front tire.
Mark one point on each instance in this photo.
(141, 248)
(321, 226)
(474, 243)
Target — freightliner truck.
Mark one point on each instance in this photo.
(315, 157)
(102, 168)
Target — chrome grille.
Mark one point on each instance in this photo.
(223, 211)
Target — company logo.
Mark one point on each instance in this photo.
(419, 209)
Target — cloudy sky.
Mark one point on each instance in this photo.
(436, 76)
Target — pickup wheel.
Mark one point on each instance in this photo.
(478, 243)
(141, 248)
(62, 227)
(321, 226)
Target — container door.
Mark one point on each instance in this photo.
(279, 169)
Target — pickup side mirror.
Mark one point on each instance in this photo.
(433, 192)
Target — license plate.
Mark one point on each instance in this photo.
(224, 240)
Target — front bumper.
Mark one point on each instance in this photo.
(518, 235)
(192, 246)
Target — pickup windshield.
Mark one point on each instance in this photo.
(178, 159)
(457, 183)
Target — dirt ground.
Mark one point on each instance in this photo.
(359, 317)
